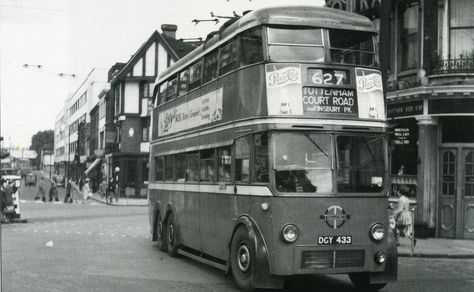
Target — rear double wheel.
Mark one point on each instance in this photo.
(172, 236)
(160, 235)
(362, 282)
(242, 259)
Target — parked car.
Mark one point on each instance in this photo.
(30, 179)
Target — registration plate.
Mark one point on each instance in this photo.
(334, 240)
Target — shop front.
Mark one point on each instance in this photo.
(432, 152)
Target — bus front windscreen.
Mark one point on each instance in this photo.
(360, 164)
(302, 162)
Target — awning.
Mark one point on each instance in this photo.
(94, 164)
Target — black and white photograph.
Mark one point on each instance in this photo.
(236, 145)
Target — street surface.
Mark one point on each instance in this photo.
(95, 247)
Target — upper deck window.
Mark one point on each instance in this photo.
(228, 58)
(210, 66)
(295, 44)
(251, 47)
(172, 88)
(352, 47)
(162, 92)
(195, 75)
(183, 82)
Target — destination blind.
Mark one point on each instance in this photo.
(329, 100)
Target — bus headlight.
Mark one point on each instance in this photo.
(377, 232)
(290, 233)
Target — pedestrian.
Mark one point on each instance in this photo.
(41, 190)
(6, 200)
(111, 189)
(402, 214)
(53, 192)
(68, 197)
(86, 191)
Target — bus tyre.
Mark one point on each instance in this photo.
(362, 282)
(160, 235)
(171, 236)
(242, 257)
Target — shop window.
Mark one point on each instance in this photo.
(206, 165)
(457, 130)
(210, 66)
(242, 159)
(251, 47)
(159, 168)
(145, 170)
(224, 159)
(261, 158)
(131, 172)
(169, 167)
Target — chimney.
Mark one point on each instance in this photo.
(169, 30)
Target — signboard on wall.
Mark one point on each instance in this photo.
(405, 109)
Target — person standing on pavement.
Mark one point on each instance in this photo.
(402, 214)
(7, 207)
(68, 198)
(111, 190)
(41, 191)
(53, 192)
(86, 191)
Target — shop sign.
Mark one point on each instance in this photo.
(405, 109)
(401, 136)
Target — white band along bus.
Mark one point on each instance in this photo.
(269, 151)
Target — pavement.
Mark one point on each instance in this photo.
(121, 201)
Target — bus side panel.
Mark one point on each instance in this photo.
(207, 223)
(190, 230)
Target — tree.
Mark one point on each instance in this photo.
(43, 140)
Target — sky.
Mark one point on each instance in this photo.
(75, 36)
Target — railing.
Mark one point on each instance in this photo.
(451, 66)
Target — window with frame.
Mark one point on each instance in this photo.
(409, 31)
(145, 170)
(169, 167)
(224, 160)
(206, 165)
(145, 129)
(228, 57)
(159, 168)
(261, 165)
(192, 167)
(172, 88)
(295, 44)
(162, 92)
(461, 29)
(131, 167)
(242, 159)
(210, 66)
(183, 82)
(251, 47)
(180, 170)
(195, 75)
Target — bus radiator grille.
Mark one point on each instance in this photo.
(332, 259)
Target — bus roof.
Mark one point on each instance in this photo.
(313, 16)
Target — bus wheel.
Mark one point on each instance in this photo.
(362, 282)
(160, 235)
(242, 255)
(171, 236)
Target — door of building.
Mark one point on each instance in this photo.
(456, 193)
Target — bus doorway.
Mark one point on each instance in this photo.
(456, 195)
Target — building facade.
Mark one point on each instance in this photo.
(429, 61)
(128, 105)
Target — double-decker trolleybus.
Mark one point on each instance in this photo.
(269, 151)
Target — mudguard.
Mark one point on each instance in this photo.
(262, 277)
(156, 216)
(391, 265)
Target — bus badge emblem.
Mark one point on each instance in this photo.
(335, 217)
